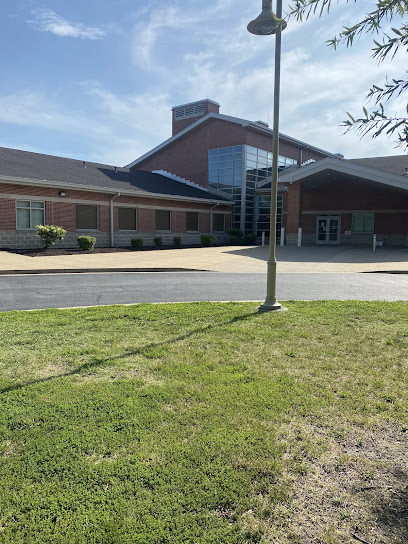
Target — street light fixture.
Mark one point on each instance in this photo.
(265, 24)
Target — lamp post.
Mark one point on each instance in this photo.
(265, 24)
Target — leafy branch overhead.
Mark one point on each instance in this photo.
(377, 121)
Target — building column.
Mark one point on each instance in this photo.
(294, 212)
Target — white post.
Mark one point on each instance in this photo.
(263, 239)
(299, 236)
(282, 237)
(374, 242)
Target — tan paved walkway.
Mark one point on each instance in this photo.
(220, 259)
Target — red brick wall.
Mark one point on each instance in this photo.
(63, 212)
(181, 124)
(187, 157)
(353, 195)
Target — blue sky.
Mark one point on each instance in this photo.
(96, 79)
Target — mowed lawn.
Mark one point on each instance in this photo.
(205, 423)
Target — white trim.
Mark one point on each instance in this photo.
(345, 167)
(100, 203)
(336, 212)
(228, 118)
(107, 190)
(21, 208)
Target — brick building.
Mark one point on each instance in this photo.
(333, 200)
(213, 174)
(113, 204)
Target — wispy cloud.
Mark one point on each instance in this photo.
(49, 21)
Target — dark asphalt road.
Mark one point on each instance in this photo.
(68, 290)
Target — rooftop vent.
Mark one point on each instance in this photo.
(189, 111)
(263, 123)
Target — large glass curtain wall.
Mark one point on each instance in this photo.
(237, 171)
(263, 215)
(225, 173)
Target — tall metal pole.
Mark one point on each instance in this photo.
(270, 301)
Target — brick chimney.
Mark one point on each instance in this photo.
(187, 114)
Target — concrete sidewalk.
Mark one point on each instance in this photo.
(244, 259)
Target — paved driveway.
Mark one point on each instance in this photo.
(239, 259)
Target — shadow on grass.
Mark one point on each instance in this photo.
(98, 361)
(393, 513)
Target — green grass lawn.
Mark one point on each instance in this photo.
(204, 423)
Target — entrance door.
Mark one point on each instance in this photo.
(328, 229)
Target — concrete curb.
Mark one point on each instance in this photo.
(94, 270)
(384, 272)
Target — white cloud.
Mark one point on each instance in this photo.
(49, 21)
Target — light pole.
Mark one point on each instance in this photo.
(265, 24)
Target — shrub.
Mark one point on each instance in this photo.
(250, 238)
(137, 243)
(86, 242)
(234, 240)
(236, 232)
(158, 242)
(177, 241)
(207, 240)
(50, 234)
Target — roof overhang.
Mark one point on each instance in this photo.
(347, 168)
(107, 190)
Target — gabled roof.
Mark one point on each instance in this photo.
(47, 170)
(355, 167)
(243, 122)
(395, 164)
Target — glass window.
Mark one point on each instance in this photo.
(127, 218)
(225, 150)
(86, 217)
(192, 221)
(29, 214)
(363, 222)
(162, 219)
(212, 152)
(219, 222)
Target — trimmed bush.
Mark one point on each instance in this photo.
(250, 238)
(234, 240)
(137, 243)
(158, 242)
(50, 234)
(207, 240)
(236, 232)
(86, 243)
(177, 241)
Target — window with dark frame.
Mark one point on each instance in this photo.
(363, 222)
(86, 217)
(192, 221)
(127, 218)
(219, 222)
(162, 219)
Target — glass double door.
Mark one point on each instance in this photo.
(328, 229)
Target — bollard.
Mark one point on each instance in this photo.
(299, 236)
(263, 239)
(374, 242)
(282, 237)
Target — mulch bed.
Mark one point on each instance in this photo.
(51, 252)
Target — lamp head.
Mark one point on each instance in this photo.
(267, 22)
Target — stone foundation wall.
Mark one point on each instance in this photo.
(30, 240)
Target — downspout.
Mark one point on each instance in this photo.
(211, 217)
(112, 231)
